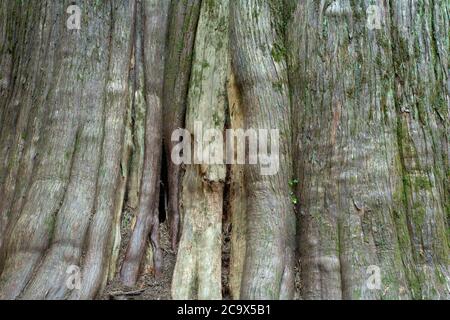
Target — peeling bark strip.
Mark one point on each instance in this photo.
(155, 13)
(237, 197)
(198, 267)
(258, 61)
(184, 16)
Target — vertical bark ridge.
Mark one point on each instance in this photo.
(420, 99)
(32, 232)
(138, 119)
(125, 168)
(20, 161)
(87, 117)
(258, 60)
(184, 17)
(100, 236)
(350, 82)
(73, 217)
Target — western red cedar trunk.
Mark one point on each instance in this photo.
(87, 117)
(371, 145)
(258, 61)
(65, 216)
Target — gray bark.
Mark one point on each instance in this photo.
(261, 76)
(371, 143)
(154, 34)
(87, 116)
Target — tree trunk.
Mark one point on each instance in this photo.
(371, 147)
(98, 124)
(261, 75)
(182, 27)
(154, 21)
(72, 169)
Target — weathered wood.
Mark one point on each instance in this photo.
(62, 190)
(198, 267)
(363, 116)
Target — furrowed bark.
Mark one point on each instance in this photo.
(420, 56)
(7, 49)
(260, 68)
(21, 122)
(71, 221)
(358, 208)
(5, 53)
(184, 16)
(198, 268)
(87, 118)
(155, 20)
(56, 171)
(100, 236)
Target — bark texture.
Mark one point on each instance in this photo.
(371, 143)
(237, 196)
(198, 268)
(73, 164)
(357, 89)
(261, 75)
(155, 15)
